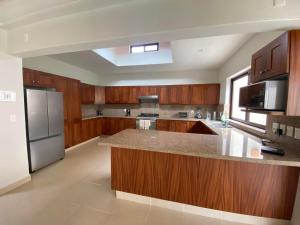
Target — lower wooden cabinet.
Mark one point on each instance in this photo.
(113, 125)
(183, 126)
(91, 128)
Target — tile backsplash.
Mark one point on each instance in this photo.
(162, 110)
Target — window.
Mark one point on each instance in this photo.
(240, 114)
(144, 48)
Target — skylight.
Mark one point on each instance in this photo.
(144, 48)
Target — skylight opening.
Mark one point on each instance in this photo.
(144, 48)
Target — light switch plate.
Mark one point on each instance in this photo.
(283, 128)
(297, 133)
(7, 96)
(290, 131)
(275, 126)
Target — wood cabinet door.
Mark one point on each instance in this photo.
(99, 126)
(45, 80)
(87, 93)
(123, 94)
(133, 95)
(211, 94)
(258, 66)
(74, 100)
(293, 106)
(99, 95)
(84, 130)
(163, 95)
(277, 53)
(108, 95)
(162, 125)
(129, 123)
(77, 135)
(197, 94)
(28, 77)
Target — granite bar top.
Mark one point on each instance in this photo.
(228, 144)
(102, 116)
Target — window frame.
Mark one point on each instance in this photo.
(247, 112)
(144, 46)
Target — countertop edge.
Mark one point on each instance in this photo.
(212, 156)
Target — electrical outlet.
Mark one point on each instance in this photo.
(290, 131)
(283, 128)
(275, 127)
(297, 133)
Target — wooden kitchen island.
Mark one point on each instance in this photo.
(224, 172)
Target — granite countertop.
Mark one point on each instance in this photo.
(103, 116)
(229, 143)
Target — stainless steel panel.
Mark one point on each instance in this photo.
(37, 114)
(145, 124)
(46, 151)
(55, 113)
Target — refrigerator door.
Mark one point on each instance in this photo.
(46, 151)
(37, 114)
(55, 113)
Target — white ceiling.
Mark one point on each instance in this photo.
(192, 54)
(15, 13)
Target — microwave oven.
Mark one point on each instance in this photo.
(266, 95)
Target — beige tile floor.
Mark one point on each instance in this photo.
(76, 191)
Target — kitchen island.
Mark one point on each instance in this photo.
(224, 172)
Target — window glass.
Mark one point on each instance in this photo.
(150, 48)
(137, 49)
(238, 113)
(258, 118)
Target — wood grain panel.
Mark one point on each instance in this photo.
(293, 106)
(232, 186)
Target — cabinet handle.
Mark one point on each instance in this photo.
(261, 72)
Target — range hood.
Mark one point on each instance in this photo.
(148, 99)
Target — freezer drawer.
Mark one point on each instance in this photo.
(46, 151)
(37, 114)
(55, 113)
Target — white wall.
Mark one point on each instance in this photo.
(13, 150)
(3, 40)
(50, 65)
(161, 78)
(241, 60)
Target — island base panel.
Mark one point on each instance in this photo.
(232, 186)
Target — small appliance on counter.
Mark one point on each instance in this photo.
(45, 127)
(127, 112)
(198, 114)
(182, 114)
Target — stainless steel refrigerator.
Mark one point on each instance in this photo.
(45, 127)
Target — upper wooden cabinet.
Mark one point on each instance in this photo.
(87, 94)
(178, 95)
(293, 106)
(205, 94)
(272, 60)
(99, 95)
(36, 78)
